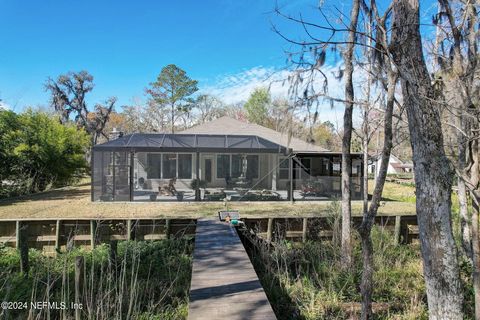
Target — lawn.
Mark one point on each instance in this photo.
(74, 202)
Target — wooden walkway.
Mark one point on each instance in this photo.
(224, 284)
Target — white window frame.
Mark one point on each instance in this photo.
(230, 164)
(176, 164)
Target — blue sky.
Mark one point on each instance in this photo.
(124, 44)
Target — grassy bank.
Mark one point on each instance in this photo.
(74, 202)
(146, 280)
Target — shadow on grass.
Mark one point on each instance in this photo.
(76, 192)
(383, 199)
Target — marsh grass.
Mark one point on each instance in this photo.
(306, 281)
(147, 280)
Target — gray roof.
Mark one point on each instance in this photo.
(167, 142)
(230, 126)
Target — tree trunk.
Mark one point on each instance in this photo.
(475, 177)
(465, 232)
(432, 172)
(347, 139)
(365, 162)
(476, 259)
(465, 224)
(173, 118)
(369, 217)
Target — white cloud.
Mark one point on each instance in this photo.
(4, 106)
(236, 88)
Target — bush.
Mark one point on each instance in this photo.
(37, 152)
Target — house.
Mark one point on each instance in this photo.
(233, 159)
(395, 165)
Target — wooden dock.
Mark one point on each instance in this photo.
(224, 284)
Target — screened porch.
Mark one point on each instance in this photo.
(182, 167)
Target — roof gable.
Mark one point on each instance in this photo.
(230, 126)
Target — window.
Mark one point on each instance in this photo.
(252, 167)
(154, 161)
(223, 165)
(232, 165)
(185, 166)
(319, 167)
(283, 168)
(337, 166)
(356, 168)
(237, 165)
(169, 168)
(304, 168)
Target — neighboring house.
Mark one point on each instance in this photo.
(234, 160)
(395, 165)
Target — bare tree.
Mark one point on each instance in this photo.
(68, 98)
(304, 87)
(457, 58)
(377, 55)
(433, 175)
(347, 137)
(208, 108)
(420, 102)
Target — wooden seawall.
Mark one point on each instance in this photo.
(224, 284)
(50, 235)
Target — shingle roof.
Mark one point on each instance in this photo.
(227, 125)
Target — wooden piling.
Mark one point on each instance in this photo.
(397, 233)
(269, 229)
(130, 232)
(168, 228)
(79, 269)
(17, 233)
(113, 252)
(22, 246)
(58, 233)
(304, 230)
(93, 231)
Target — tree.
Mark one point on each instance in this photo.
(404, 50)
(68, 94)
(456, 57)
(257, 106)
(208, 108)
(10, 127)
(347, 137)
(172, 90)
(280, 114)
(37, 152)
(433, 175)
(324, 135)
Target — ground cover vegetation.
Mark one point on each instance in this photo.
(143, 280)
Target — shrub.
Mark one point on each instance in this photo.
(37, 152)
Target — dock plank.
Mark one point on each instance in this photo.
(224, 284)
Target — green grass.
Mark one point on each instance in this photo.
(74, 202)
(395, 191)
(150, 280)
